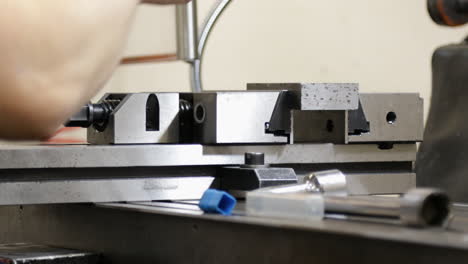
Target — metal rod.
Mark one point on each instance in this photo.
(418, 207)
(187, 31)
(190, 48)
(360, 205)
(195, 76)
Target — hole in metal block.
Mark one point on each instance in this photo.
(152, 113)
(391, 117)
(199, 113)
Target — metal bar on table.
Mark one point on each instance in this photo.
(84, 156)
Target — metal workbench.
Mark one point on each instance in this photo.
(178, 233)
(88, 197)
(166, 232)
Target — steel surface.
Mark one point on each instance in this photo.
(392, 118)
(235, 117)
(22, 253)
(317, 96)
(85, 156)
(319, 127)
(109, 190)
(366, 229)
(127, 124)
(130, 233)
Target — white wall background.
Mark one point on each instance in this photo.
(385, 46)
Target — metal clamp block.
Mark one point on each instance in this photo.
(141, 118)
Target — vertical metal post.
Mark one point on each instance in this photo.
(189, 45)
(187, 32)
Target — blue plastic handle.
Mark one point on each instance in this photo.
(217, 202)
